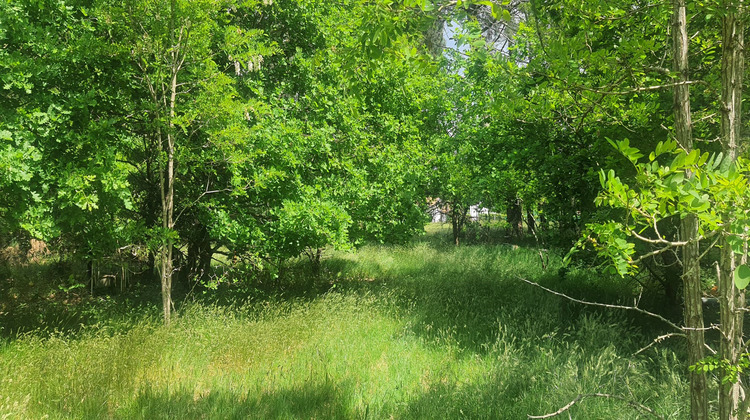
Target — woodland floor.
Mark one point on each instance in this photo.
(425, 330)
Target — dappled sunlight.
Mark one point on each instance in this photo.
(408, 332)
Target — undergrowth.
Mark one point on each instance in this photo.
(425, 330)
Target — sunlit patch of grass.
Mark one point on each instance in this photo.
(417, 331)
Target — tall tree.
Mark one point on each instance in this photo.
(177, 51)
(733, 402)
(60, 99)
(692, 290)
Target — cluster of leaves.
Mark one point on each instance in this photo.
(730, 371)
(672, 183)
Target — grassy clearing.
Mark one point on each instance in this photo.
(419, 331)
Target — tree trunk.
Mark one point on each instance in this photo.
(530, 221)
(693, 308)
(151, 212)
(693, 316)
(731, 299)
(316, 261)
(167, 142)
(458, 217)
(515, 217)
(199, 254)
(166, 183)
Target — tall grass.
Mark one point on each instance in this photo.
(418, 331)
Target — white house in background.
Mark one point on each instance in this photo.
(476, 211)
(438, 216)
(439, 211)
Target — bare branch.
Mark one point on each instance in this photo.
(606, 305)
(641, 89)
(203, 194)
(651, 254)
(709, 247)
(658, 340)
(660, 241)
(636, 405)
(710, 349)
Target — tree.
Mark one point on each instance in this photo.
(708, 194)
(65, 174)
(733, 403)
(457, 176)
(589, 68)
(689, 227)
(177, 51)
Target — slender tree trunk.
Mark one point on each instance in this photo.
(199, 254)
(515, 217)
(731, 299)
(693, 315)
(176, 55)
(168, 199)
(693, 309)
(458, 217)
(530, 221)
(166, 183)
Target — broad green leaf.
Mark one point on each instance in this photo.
(737, 244)
(742, 276)
(506, 15)
(699, 204)
(703, 159)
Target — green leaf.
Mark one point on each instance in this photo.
(703, 180)
(737, 244)
(496, 11)
(700, 204)
(506, 15)
(742, 276)
(703, 159)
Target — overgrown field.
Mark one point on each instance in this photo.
(420, 331)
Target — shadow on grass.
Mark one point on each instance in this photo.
(459, 296)
(521, 392)
(311, 400)
(464, 297)
(45, 308)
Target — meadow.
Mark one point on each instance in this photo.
(425, 330)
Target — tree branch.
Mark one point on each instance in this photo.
(636, 405)
(651, 254)
(606, 305)
(660, 241)
(658, 340)
(203, 194)
(640, 89)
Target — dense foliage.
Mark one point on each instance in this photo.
(249, 128)
(174, 135)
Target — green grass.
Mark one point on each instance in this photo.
(419, 331)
